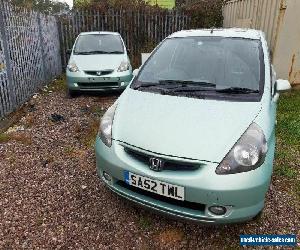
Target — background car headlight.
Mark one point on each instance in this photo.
(105, 129)
(72, 67)
(247, 154)
(124, 66)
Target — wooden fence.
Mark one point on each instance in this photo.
(29, 54)
(141, 30)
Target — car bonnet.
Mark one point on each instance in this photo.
(192, 128)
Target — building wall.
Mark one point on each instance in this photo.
(287, 51)
(279, 20)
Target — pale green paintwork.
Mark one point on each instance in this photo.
(203, 131)
(99, 62)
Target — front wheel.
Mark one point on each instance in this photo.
(72, 93)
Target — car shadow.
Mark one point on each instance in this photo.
(106, 93)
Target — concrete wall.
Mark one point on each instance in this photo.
(279, 20)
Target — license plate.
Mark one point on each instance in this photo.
(154, 186)
(91, 79)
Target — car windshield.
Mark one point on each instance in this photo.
(99, 44)
(224, 65)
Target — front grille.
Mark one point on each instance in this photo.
(103, 72)
(179, 203)
(97, 85)
(168, 164)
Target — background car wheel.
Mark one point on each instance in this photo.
(73, 93)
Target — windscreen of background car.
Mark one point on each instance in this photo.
(99, 42)
(226, 62)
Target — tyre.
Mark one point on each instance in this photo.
(73, 93)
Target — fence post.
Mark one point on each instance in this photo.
(3, 30)
(41, 47)
(61, 47)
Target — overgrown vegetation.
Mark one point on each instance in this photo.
(204, 13)
(43, 6)
(19, 137)
(288, 139)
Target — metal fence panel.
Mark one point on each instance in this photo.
(29, 54)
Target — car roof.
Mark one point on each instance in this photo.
(99, 32)
(232, 32)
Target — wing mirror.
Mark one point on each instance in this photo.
(135, 72)
(282, 85)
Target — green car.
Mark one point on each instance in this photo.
(193, 135)
(98, 61)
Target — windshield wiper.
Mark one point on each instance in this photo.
(180, 85)
(188, 83)
(115, 52)
(237, 90)
(91, 52)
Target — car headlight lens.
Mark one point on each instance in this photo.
(72, 67)
(247, 154)
(105, 129)
(124, 66)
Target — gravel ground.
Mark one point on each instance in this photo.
(51, 197)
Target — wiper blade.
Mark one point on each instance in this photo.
(91, 52)
(146, 85)
(177, 84)
(115, 52)
(237, 90)
(184, 83)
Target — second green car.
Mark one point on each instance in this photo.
(98, 61)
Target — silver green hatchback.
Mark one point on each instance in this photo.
(193, 135)
(98, 61)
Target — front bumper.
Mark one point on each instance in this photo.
(242, 194)
(82, 81)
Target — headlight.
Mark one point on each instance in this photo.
(124, 66)
(72, 67)
(105, 129)
(247, 154)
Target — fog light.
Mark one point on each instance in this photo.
(106, 176)
(75, 85)
(217, 210)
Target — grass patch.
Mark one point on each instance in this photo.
(288, 127)
(97, 111)
(145, 222)
(288, 135)
(22, 138)
(90, 134)
(285, 171)
(4, 138)
(57, 85)
(69, 150)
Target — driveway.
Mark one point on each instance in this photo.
(51, 196)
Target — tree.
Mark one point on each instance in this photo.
(44, 6)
